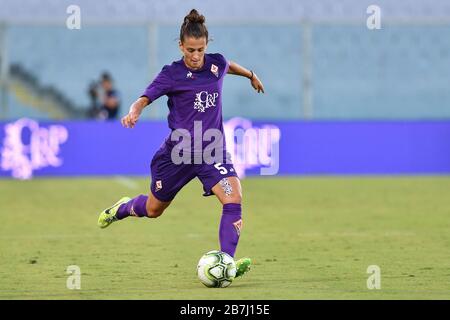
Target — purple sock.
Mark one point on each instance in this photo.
(230, 227)
(134, 207)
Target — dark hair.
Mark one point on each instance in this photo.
(194, 26)
(106, 76)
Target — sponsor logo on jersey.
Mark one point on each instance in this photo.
(215, 70)
(205, 100)
(190, 75)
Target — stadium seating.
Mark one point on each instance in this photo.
(262, 10)
(400, 71)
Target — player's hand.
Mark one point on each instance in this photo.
(257, 84)
(130, 120)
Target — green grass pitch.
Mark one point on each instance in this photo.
(309, 238)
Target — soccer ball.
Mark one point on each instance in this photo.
(216, 269)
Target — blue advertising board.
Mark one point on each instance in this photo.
(29, 148)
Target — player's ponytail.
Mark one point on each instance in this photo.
(194, 26)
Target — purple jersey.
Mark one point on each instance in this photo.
(194, 95)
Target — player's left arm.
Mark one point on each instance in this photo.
(239, 70)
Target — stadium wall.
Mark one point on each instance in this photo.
(76, 148)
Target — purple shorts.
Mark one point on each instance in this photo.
(169, 178)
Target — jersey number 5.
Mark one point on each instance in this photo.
(222, 170)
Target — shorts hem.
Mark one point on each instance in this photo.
(161, 198)
(208, 191)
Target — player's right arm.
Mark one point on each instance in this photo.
(129, 121)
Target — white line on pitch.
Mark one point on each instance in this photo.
(127, 182)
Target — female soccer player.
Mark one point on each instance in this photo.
(194, 88)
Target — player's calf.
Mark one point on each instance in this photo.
(230, 227)
(229, 192)
(155, 207)
(135, 207)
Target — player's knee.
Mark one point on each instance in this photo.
(233, 198)
(154, 214)
(231, 193)
(153, 211)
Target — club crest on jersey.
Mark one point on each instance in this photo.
(215, 70)
(238, 226)
(158, 185)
